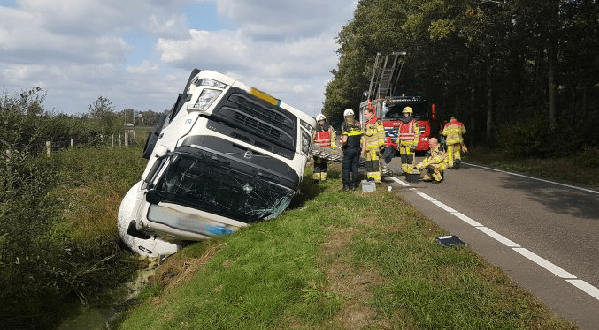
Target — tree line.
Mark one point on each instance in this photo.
(25, 124)
(511, 70)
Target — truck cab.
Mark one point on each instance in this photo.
(226, 155)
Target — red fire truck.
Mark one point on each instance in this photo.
(389, 106)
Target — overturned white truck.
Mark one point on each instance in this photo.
(226, 155)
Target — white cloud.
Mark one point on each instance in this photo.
(220, 50)
(77, 49)
(144, 69)
(172, 26)
(274, 20)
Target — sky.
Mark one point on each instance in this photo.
(139, 53)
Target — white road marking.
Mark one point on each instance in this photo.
(586, 287)
(533, 178)
(556, 270)
(483, 167)
(499, 238)
(511, 173)
(467, 220)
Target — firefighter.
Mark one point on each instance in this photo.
(388, 150)
(324, 136)
(350, 144)
(374, 140)
(435, 164)
(454, 139)
(407, 139)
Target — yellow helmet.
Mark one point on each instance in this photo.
(408, 110)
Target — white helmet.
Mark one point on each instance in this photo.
(348, 112)
(320, 117)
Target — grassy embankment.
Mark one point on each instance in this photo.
(59, 246)
(336, 261)
(582, 168)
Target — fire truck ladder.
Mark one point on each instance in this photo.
(386, 74)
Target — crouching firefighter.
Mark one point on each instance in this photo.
(374, 140)
(435, 164)
(324, 136)
(351, 144)
(408, 136)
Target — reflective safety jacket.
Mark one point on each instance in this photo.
(408, 131)
(352, 133)
(437, 158)
(374, 133)
(454, 131)
(324, 136)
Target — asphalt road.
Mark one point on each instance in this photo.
(543, 233)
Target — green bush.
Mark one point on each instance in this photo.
(46, 269)
(534, 137)
(590, 157)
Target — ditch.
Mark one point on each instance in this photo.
(104, 316)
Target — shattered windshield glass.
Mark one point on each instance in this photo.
(221, 187)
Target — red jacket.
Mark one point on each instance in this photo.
(322, 135)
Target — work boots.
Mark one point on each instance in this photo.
(456, 164)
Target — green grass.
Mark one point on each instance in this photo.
(60, 226)
(337, 261)
(94, 181)
(582, 168)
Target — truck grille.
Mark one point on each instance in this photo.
(248, 121)
(259, 118)
(256, 110)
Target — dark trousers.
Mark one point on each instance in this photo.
(320, 165)
(349, 164)
(388, 154)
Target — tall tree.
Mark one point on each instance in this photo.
(101, 107)
(494, 61)
(103, 110)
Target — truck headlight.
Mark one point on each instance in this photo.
(206, 98)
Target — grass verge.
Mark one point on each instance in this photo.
(336, 261)
(582, 168)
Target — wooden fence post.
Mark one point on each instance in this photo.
(48, 147)
(71, 143)
(119, 139)
(126, 141)
(112, 141)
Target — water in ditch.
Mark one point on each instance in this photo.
(103, 317)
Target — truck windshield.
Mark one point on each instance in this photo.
(419, 110)
(214, 185)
